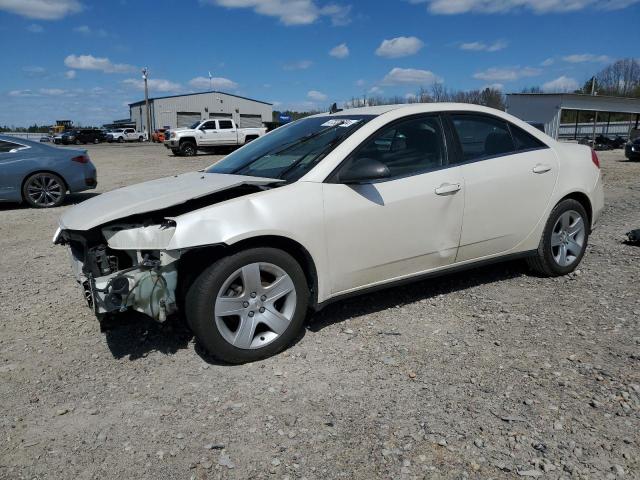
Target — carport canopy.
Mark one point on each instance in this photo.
(547, 108)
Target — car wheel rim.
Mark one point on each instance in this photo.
(255, 305)
(567, 238)
(44, 190)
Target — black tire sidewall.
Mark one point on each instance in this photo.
(184, 149)
(545, 245)
(200, 304)
(31, 203)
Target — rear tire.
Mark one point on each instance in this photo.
(44, 190)
(564, 240)
(188, 149)
(268, 290)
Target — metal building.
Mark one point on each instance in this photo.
(178, 111)
(547, 108)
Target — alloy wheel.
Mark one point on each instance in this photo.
(567, 238)
(44, 190)
(255, 305)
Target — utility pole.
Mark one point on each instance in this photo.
(210, 82)
(145, 75)
(595, 116)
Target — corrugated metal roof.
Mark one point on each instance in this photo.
(141, 102)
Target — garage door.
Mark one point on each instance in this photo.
(186, 119)
(220, 115)
(250, 121)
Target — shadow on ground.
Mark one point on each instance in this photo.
(134, 335)
(71, 199)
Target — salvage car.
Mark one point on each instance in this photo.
(40, 175)
(329, 206)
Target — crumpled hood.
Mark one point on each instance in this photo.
(151, 196)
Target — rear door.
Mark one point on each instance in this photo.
(227, 134)
(408, 224)
(509, 177)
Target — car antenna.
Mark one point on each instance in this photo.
(334, 108)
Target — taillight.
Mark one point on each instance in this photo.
(81, 159)
(594, 158)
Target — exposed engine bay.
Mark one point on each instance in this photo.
(126, 264)
(116, 277)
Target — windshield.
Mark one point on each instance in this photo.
(195, 125)
(289, 152)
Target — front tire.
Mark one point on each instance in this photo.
(188, 149)
(121, 140)
(564, 240)
(248, 306)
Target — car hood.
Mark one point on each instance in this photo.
(182, 130)
(151, 196)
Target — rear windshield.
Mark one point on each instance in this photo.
(289, 152)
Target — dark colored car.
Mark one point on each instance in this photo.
(41, 175)
(632, 150)
(85, 135)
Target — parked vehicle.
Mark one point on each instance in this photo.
(41, 175)
(46, 138)
(158, 136)
(329, 206)
(209, 135)
(122, 135)
(82, 136)
(632, 149)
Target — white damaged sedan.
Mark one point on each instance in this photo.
(328, 206)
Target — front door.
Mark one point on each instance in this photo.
(410, 223)
(509, 177)
(207, 133)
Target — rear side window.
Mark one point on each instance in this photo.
(6, 147)
(482, 136)
(523, 140)
(225, 124)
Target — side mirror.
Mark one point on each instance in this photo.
(364, 170)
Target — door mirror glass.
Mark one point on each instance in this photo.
(362, 170)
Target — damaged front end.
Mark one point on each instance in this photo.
(124, 266)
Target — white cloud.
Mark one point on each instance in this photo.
(41, 9)
(494, 86)
(375, 90)
(507, 74)
(292, 12)
(560, 84)
(54, 92)
(453, 7)
(34, 71)
(360, 83)
(103, 64)
(155, 84)
(586, 57)
(22, 93)
(86, 30)
(70, 74)
(340, 51)
(548, 62)
(218, 83)
(399, 47)
(484, 47)
(35, 28)
(299, 65)
(316, 96)
(410, 76)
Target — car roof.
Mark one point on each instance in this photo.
(414, 108)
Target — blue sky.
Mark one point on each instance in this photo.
(81, 59)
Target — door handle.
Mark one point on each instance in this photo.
(448, 189)
(541, 168)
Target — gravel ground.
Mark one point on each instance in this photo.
(491, 373)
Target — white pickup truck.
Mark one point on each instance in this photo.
(208, 135)
(125, 135)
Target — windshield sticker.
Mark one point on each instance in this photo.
(341, 122)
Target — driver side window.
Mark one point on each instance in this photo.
(211, 125)
(407, 148)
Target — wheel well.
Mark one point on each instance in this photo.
(24, 180)
(584, 201)
(187, 140)
(194, 261)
